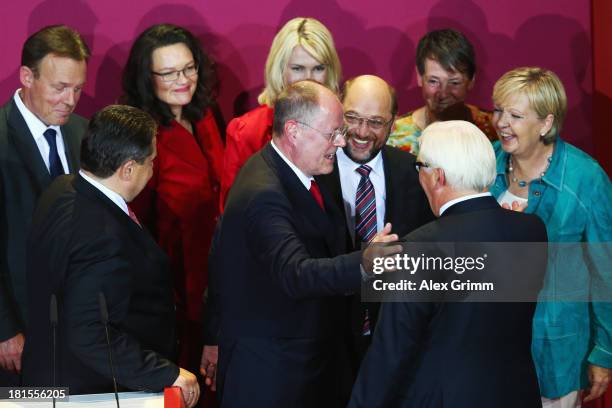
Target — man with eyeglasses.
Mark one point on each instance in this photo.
(374, 184)
(277, 280)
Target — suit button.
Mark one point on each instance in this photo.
(536, 193)
(215, 188)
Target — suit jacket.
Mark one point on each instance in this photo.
(439, 354)
(277, 289)
(406, 208)
(82, 244)
(23, 177)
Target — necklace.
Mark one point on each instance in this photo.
(523, 183)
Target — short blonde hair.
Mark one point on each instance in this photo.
(462, 151)
(544, 91)
(316, 39)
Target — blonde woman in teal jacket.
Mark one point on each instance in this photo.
(537, 172)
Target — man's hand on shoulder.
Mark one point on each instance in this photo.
(189, 387)
(208, 365)
(10, 353)
(379, 251)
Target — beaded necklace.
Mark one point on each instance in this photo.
(523, 183)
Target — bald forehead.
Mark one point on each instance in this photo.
(370, 93)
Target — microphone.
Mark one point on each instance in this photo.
(53, 319)
(104, 318)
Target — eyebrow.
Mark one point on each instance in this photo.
(176, 69)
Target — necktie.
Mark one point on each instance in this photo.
(55, 164)
(132, 215)
(365, 207)
(365, 223)
(316, 193)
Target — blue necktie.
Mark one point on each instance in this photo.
(55, 164)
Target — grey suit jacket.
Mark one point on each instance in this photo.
(23, 177)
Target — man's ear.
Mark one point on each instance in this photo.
(440, 177)
(418, 77)
(26, 76)
(126, 170)
(291, 129)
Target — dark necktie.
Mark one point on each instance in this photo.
(316, 193)
(55, 164)
(365, 224)
(365, 207)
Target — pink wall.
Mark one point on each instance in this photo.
(372, 37)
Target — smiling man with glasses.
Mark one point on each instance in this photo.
(374, 184)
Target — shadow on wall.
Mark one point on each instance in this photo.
(550, 41)
(78, 15)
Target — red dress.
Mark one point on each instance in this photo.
(181, 205)
(245, 135)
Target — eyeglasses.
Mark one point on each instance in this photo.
(419, 165)
(374, 124)
(188, 72)
(335, 136)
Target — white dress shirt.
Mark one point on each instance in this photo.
(37, 129)
(349, 181)
(113, 196)
(304, 179)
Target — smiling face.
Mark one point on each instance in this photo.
(301, 65)
(518, 126)
(367, 97)
(441, 88)
(315, 152)
(177, 93)
(53, 94)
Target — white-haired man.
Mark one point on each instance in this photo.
(457, 354)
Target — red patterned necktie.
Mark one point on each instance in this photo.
(316, 193)
(132, 215)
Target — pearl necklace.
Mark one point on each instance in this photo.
(523, 183)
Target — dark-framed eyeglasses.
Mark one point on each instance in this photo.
(189, 71)
(335, 136)
(418, 165)
(373, 123)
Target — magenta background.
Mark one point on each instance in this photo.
(377, 37)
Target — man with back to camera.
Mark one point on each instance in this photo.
(40, 139)
(468, 354)
(277, 284)
(367, 171)
(85, 241)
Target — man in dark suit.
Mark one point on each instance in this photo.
(39, 139)
(460, 354)
(370, 106)
(277, 282)
(83, 244)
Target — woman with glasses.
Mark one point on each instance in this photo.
(169, 76)
(302, 49)
(446, 70)
(541, 173)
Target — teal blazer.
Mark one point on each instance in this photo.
(574, 199)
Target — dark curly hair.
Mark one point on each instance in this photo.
(137, 80)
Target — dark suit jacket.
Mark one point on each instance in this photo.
(463, 354)
(406, 208)
(278, 291)
(81, 243)
(23, 177)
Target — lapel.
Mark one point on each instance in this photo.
(183, 145)
(71, 133)
(302, 201)
(391, 186)
(20, 136)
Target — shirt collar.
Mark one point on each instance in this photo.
(36, 126)
(460, 199)
(555, 173)
(375, 163)
(304, 179)
(112, 195)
